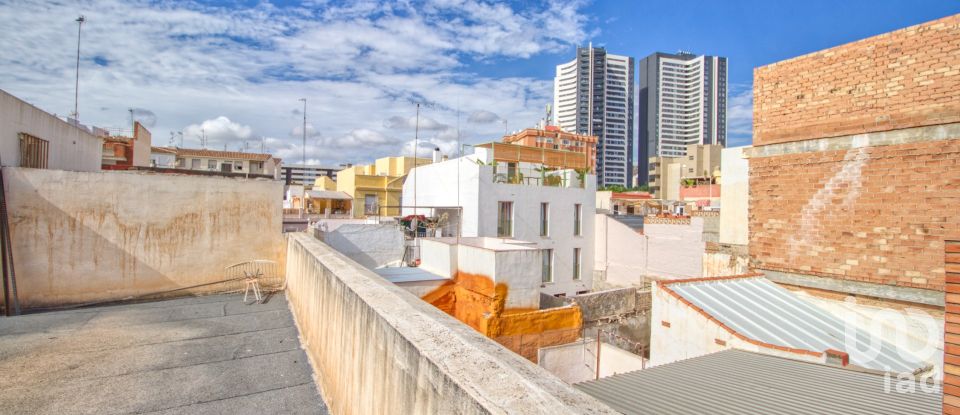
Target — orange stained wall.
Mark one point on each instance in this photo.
(478, 302)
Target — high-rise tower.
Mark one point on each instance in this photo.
(593, 94)
(682, 100)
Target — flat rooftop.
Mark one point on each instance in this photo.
(211, 354)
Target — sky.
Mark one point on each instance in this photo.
(235, 71)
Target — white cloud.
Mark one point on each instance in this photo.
(740, 116)
(218, 132)
(483, 117)
(241, 71)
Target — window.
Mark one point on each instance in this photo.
(544, 219)
(195, 164)
(211, 164)
(370, 204)
(576, 264)
(238, 165)
(505, 220)
(577, 216)
(34, 151)
(547, 265)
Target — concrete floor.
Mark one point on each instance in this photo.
(209, 354)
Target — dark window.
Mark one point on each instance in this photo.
(34, 151)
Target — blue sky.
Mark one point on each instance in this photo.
(235, 70)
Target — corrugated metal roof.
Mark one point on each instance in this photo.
(740, 382)
(757, 308)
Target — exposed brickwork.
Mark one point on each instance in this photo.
(906, 78)
(874, 214)
(951, 334)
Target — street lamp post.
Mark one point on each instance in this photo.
(76, 85)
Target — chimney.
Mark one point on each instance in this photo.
(436, 155)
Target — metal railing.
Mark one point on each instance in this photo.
(267, 272)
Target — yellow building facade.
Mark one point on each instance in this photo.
(376, 188)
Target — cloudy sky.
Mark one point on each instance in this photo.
(235, 71)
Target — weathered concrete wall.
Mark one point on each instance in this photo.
(371, 245)
(722, 260)
(71, 148)
(621, 252)
(377, 349)
(734, 202)
(675, 251)
(667, 249)
(577, 362)
(80, 236)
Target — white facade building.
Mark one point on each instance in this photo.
(559, 219)
(594, 95)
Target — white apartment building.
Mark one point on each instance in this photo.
(553, 210)
(594, 95)
(683, 101)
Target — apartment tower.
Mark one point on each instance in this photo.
(682, 100)
(593, 95)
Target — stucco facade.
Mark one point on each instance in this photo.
(76, 239)
(463, 182)
(69, 147)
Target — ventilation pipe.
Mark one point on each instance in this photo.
(436, 155)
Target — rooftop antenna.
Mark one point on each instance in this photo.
(171, 143)
(203, 138)
(505, 132)
(180, 133)
(76, 85)
(263, 144)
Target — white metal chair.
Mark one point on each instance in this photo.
(252, 281)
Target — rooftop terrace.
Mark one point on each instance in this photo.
(211, 354)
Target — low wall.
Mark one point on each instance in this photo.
(100, 236)
(577, 362)
(378, 349)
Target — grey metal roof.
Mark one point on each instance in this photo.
(739, 382)
(759, 309)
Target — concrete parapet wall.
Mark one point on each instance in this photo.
(377, 349)
(101, 236)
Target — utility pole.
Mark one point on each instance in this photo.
(304, 159)
(76, 85)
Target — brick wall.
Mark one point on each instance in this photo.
(909, 77)
(874, 214)
(951, 335)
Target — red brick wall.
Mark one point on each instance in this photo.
(875, 214)
(906, 78)
(951, 335)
